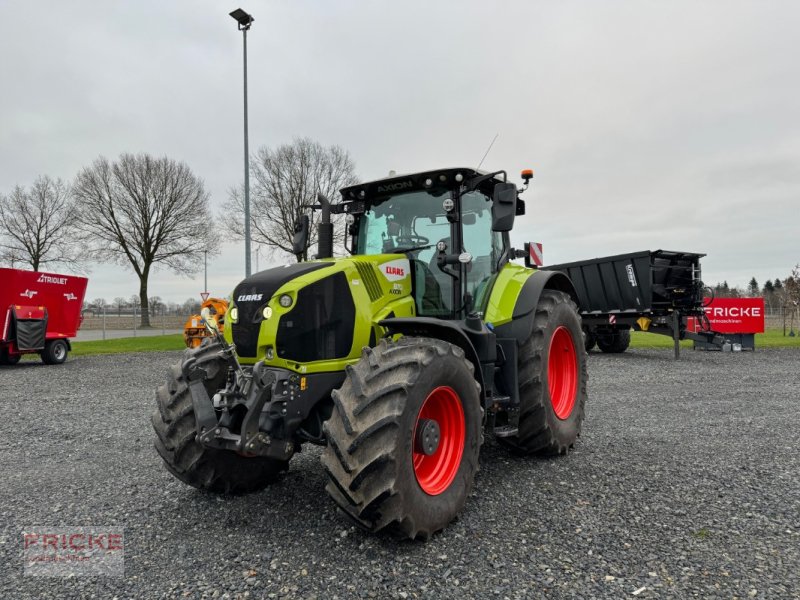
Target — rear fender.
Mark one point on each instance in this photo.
(521, 323)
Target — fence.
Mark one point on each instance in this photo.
(785, 319)
(113, 321)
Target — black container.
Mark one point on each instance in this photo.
(647, 282)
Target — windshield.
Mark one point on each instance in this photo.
(403, 222)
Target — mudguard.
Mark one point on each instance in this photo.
(524, 311)
(449, 331)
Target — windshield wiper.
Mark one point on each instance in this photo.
(411, 249)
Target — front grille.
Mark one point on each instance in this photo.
(320, 326)
(259, 288)
(366, 271)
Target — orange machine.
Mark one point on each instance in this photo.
(194, 332)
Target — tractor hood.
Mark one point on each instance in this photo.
(316, 316)
(253, 294)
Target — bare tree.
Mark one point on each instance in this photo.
(97, 305)
(120, 303)
(155, 305)
(38, 226)
(792, 286)
(190, 306)
(145, 212)
(286, 181)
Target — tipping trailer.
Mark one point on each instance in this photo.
(653, 291)
(40, 312)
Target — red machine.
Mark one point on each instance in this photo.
(737, 320)
(39, 312)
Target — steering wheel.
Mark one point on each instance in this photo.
(411, 239)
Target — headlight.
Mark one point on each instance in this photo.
(285, 300)
(267, 312)
(234, 314)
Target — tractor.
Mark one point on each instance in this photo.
(397, 358)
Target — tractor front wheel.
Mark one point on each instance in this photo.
(219, 471)
(552, 379)
(404, 437)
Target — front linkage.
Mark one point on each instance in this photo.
(240, 405)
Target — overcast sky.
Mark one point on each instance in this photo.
(649, 125)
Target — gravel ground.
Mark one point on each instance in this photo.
(686, 482)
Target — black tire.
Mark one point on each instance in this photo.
(218, 471)
(7, 359)
(55, 352)
(614, 343)
(371, 450)
(589, 339)
(540, 429)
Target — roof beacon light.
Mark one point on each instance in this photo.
(527, 175)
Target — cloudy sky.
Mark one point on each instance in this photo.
(650, 125)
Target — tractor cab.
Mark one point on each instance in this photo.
(451, 224)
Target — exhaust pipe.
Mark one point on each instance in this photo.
(325, 229)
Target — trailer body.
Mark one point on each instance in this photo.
(40, 312)
(655, 291)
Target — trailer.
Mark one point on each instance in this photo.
(40, 313)
(654, 291)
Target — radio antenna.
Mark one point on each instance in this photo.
(487, 151)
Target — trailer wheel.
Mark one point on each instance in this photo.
(218, 471)
(615, 342)
(55, 352)
(404, 437)
(589, 339)
(7, 359)
(552, 379)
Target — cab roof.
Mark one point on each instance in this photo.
(424, 180)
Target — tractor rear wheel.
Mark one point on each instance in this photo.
(55, 352)
(404, 437)
(616, 342)
(552, 379)
(219, 471)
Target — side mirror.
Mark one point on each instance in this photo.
(300, 239)
(504, 206)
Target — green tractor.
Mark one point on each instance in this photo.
(396, 359)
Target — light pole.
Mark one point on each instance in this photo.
(245, 21)
(205, 270)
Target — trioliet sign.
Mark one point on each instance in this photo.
(734, 315)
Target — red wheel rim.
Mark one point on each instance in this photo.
(562, 372)
(436, 472)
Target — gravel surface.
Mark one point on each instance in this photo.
(686, 482)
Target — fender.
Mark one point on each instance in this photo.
(449, 331)
(521, 323)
